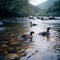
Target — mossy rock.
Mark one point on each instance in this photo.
(4, 51)
(5, 42)
(12, 50)
(12, 57)
(4, 46)
(14, 43)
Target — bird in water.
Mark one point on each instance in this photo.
(45, 33)
(27, 37)
(31, 24)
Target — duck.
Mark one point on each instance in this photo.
(27, 37)
(45, 33)
(31, 24)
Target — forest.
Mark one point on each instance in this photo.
(54, 10)
(10, 8)
(21, 8)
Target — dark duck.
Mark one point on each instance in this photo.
(31, 24)
(45, 33)
(27, 37)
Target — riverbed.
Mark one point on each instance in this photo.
(41, 48)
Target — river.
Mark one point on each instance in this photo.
(41, 48)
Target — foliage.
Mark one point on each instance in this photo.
(42, 12)
(54, 10)
(9, 8)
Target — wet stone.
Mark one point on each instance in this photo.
(4, 46)
(12, 57)
(13, 48)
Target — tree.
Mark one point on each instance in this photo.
(55, 9)
(15, 8)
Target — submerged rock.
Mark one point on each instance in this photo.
(12, 57)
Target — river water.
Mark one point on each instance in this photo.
(41, 48)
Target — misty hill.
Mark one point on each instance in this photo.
(47, 4)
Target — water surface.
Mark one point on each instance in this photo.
(42, 48)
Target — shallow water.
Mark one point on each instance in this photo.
(41, 48)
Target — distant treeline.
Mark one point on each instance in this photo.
(21, 8)
(53, 10)
(10, 8)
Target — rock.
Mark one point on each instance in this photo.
(14, 43)
(12, 57)
(4, 46)
(12, 50)
(4, 51)
(22, 50)
(5, 42)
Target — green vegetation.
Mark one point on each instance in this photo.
(21, 8)
(10, 8)
(42, 12)
(54, 10)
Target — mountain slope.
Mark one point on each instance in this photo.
(47, 4)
